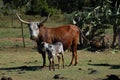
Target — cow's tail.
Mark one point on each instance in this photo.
(83, 36)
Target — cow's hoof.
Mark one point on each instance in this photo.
(75, 64)
(69, 65)
(43, 66)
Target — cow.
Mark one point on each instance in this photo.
(53, 50)
(68, 35)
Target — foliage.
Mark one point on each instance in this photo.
(98, 17)
(38, 7)
(15, 3)
(65, 5)
(95, 20)
(97, 14)
(47, 6)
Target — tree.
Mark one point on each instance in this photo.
(38, 7)
(115, 19)
(15, 3)
(93, 22)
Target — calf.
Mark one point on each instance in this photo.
(53, 50)
(68, 35)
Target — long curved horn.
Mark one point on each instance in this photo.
(45, 19)
(26, 22)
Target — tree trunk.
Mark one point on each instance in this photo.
(114, 35)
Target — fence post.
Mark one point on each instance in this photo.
(23, 35)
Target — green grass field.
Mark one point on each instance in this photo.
(25, 63)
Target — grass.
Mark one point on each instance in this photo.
(10, 36)
(24, 64)
(13, 33)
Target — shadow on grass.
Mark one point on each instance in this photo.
(109, 65)
(24, 68)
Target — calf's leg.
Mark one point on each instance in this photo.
(53, 65)
(58, 61)
(62, 60)
(50, 63)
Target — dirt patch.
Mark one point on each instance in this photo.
(14, 39)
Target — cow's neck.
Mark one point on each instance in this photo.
(38, 46)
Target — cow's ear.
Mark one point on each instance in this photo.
(40, 25)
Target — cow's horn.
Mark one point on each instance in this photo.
(45, 19)
(26, 22)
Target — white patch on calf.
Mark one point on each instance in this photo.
(44, 46)
(53, 50)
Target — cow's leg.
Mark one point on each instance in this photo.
(74, 55)
(71, 63)
(44, 59)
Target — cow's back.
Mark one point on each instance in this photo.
(68, 35)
